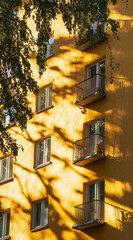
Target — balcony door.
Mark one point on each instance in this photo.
(94, 198)
(96, 77)
(95, 141)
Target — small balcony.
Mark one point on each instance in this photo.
(89, 150)
(85, 42)
(89, 214)
(90, 90)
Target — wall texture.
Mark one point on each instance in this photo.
(61, 181)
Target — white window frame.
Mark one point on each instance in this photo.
(50, 46)
(96, 190)
(8, 71)
(95, 140)
(46, 152)
(96, 214)
(47, 98)
(95, 24)
(6, 122)
(97, 67)
(44, 214)
(98, 76)
(97, 130)
(7, 159)
(4, 227)
(16, 15)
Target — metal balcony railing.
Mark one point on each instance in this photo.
(89, 214)
(89, 150)
(90, 90)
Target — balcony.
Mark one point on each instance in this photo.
(85, 43)
(89, 214)
(90, 90)
(89, 150)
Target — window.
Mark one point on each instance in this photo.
(42, 152)
(94, 26)
(8, 117)
(8, 71)
(94, 191)
(44, 99)
(50, 47)
(40, 214)
(15, 17)
(96, 77)
(94, 196)
(95, 133)
(97, 127)
(6, 168)
(4, 224)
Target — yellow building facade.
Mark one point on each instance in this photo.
(74, 179)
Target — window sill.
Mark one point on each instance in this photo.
(4, 238)
(44, 109)
(6, 181)
(42, 165)
(39, 228)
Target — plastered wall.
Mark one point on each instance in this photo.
(61, 181)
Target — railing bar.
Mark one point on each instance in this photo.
(90, 137)
(117, 207)
(90, 78)
(89, 202)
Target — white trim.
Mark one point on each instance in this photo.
(46, 151)
(4, 215)
(7, 160)
(44, 213)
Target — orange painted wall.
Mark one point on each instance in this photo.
(61, 181)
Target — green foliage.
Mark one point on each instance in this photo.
(17, 42)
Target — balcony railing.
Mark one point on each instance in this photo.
(85, 42)
(90, 90)
(89, 214)
(89, 150)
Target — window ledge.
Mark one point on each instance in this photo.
(42, 165)
(6, 181)
(44, 109)
(4, 238)
(39, 228)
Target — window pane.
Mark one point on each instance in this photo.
(49, 96)
(3, 169)
(7, 223)
(50, 47)
(101, 127)
(47, 149)
(39, 152)
(10, 164)
(92, 128)
(91, 71)
(8, 119)
(45, 212)
(8, 72)
(1, 225)
(102, 67)
(5, 118)
(36, 214)
(100, 190)
(42, 99)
